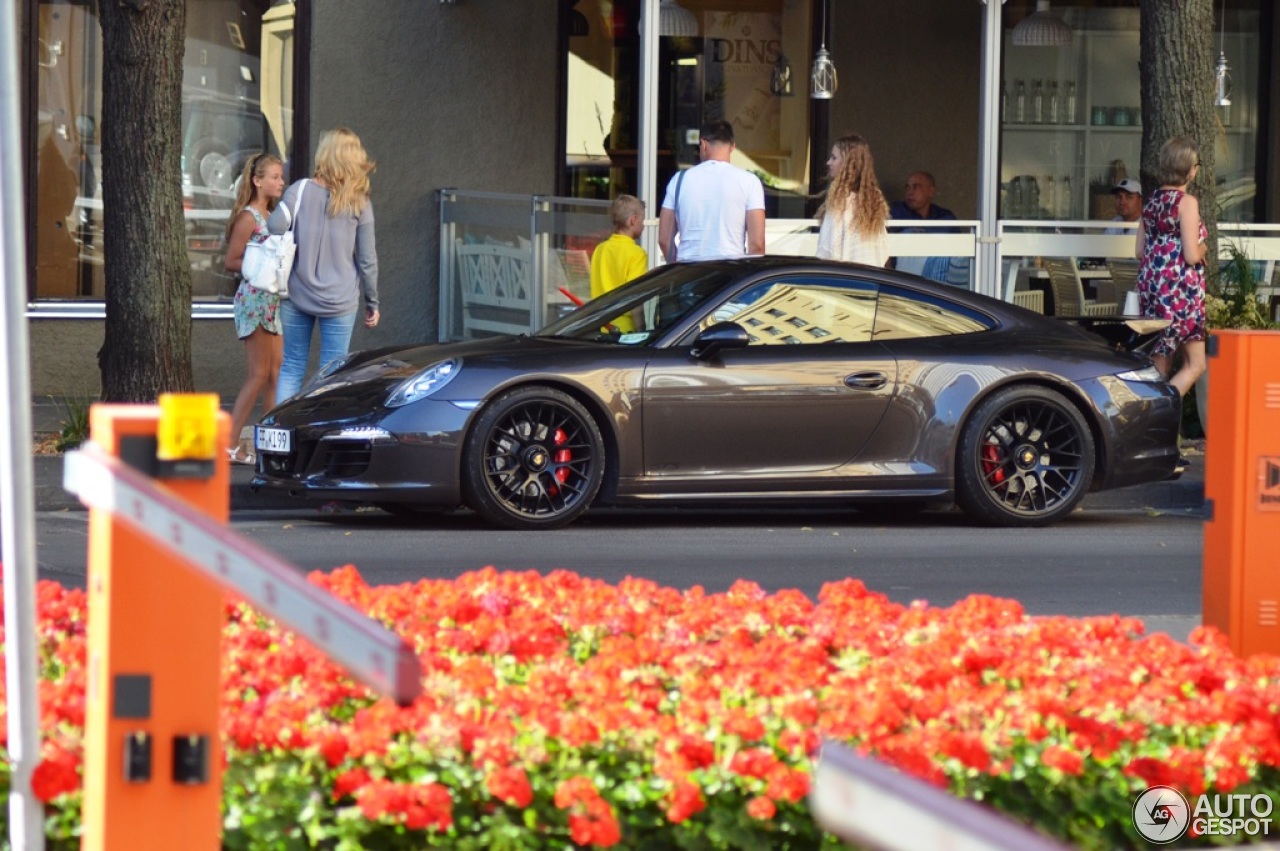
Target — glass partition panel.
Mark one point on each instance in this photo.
(510, 264)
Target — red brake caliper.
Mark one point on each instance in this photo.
(991, 464)
(561, 456)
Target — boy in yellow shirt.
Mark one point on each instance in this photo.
(619, 259)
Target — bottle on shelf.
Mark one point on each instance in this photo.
(1037, 103)
(1019, 102)
(1015, 198)
(1004, 104)
(1050, 196)
(1069, 109)
(1052, 115)
(1066, 206)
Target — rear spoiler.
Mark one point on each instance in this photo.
(1124, 333)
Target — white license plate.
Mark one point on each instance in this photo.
(272, 439)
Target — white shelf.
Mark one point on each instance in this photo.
(1103, 65)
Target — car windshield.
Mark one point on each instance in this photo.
(641, 311)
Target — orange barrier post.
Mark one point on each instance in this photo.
(153, 759)
(1241, 592)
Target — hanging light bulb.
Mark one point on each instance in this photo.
(822, 79)
(1222, 71)
(1222, 82)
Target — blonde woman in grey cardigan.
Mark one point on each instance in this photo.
(336, 258)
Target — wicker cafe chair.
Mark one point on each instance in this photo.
(1105, 292)
(1030, 299)
(1068, 291)
(1124, 274)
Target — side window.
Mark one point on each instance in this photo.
(798, 311)
(904, 314)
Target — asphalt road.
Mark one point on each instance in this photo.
(1132, 562)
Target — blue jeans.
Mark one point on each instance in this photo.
(335, 337)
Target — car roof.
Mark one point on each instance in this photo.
(1005, 314)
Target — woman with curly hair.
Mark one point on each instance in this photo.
(854, 211)
(336, 259)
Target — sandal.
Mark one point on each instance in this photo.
(246, 461)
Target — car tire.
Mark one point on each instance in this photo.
(1025, 458)
(534, 459)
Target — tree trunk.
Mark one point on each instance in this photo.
(1177, 93)
(147, 346)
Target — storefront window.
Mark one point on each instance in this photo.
(1072, 118)
(237, 101)
(747, 65)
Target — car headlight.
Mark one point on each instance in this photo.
(423, 383)
(1146, 375)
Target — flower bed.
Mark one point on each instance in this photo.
(560, 709)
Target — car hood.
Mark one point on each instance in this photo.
(368, 377)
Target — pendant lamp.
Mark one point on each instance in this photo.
(676, 20)
(1042, 28)
(822, 79)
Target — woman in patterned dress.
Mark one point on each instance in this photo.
(1171, 252)
(854, 211)
(257, 311)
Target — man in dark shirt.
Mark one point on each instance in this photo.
(918, 205)
(918, 200)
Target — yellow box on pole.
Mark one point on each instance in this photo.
(188, 427)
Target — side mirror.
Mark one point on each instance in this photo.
(722, 335)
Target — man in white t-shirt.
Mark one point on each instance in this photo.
(715, 209)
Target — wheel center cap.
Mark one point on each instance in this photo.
(536, 458)
(1027, 456)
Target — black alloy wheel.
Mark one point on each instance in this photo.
(1025, 458)
(533, 460)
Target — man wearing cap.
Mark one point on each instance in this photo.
(1127, 195)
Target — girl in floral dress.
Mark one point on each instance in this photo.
(257, 312)
(1171, 251)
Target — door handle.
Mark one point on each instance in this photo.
(867, 380)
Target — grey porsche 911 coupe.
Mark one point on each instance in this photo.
(765, 379)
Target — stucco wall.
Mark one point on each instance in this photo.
(909, 76)
(442, 95)
(64, 357)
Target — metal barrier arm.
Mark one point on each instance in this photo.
(369, 652)
(861, 800)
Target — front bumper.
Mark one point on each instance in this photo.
(403, 456)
